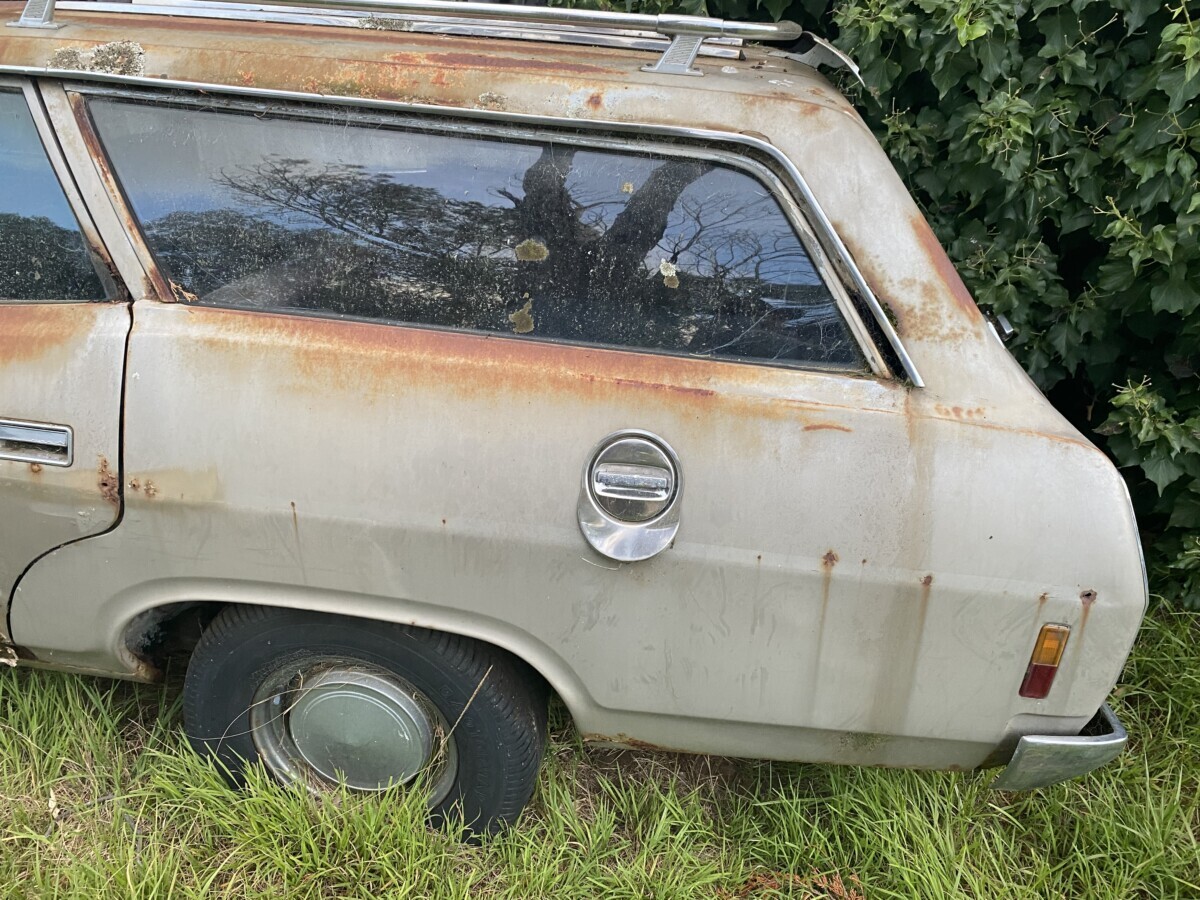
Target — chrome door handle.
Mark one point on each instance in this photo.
(36, 442)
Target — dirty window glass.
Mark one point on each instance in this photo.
(543, 240)
(42, 253)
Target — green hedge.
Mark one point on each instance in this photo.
(1054, 146)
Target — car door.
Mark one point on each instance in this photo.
(392, 362)
(63, 325)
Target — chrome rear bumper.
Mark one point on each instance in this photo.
(1042, 759)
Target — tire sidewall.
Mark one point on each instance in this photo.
(224, 676)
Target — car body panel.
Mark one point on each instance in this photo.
(861, 567)
(61, 364)
(792, 599)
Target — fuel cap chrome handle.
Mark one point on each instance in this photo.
(629, 503)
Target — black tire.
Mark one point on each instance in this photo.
(495, 703)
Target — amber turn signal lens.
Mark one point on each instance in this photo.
(1051, 642)
(1043, 663)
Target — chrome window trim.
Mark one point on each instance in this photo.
(827, 236)
(90, 183)
(508, 133)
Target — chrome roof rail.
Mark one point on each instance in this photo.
(685, 33)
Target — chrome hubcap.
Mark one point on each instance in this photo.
(328, 722)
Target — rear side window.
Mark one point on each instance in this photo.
(542, 240)
(42, 252)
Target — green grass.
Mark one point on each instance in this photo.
(102, 798)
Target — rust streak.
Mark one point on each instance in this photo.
(813, 680)
(945, 269)
(673, 388)
(827, 426)
(1087, 599)
(490, 62)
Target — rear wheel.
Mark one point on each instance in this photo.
(322, 700)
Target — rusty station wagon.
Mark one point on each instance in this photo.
(424, 358)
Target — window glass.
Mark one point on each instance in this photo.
(542, 240)
(42, 253)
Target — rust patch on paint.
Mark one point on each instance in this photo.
(945, 269)
(35, 468)
(108, 483)
(322, 356)
(829, 560)
(595, 100)
(958, 412)
(147, 487)
(43, 329)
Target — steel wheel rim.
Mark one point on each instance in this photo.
(325, 722)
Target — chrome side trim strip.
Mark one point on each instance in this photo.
(825, 231)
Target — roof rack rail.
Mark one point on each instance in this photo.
(686, 33)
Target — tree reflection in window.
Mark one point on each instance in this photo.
(549, 241)
(42, 253)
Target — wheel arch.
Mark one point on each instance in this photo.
(150, 619)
